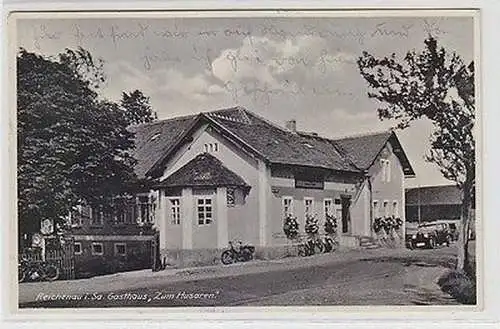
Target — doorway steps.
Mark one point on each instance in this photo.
(367, 242)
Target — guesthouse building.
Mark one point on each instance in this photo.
(231, 174)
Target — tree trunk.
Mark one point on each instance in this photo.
(463, 240)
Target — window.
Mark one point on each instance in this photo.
(77, 248)
(386, 208)
(328, 205)
(338, 208)
(120, 249)
(205, 211)
(124, 214)
(395, 208)
(386, 170)
(211, 147)
(175, 211)
(76, 216)
(230, 196)
(97, 248)
(287, 206)
(97, 217)
(308, 206)
(376, 213)
(146, 209)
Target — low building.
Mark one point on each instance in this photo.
(112, 242)
(233, 175)
(431, 203)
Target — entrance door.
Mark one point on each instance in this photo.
(346, 215)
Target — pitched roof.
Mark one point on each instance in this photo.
(154, 139)
(203, 171)
(279, 145)
(266, 139)
(433, 195)
(363, 149)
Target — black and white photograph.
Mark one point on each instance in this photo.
(246, 159)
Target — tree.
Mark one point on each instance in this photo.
(137, 107)
(73, 147)
(437, 85)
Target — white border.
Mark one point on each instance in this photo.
(486, 232)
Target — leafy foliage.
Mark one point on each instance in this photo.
(387, 224)
(291, 227)
(439, 86)
(137, 107)
(330, 225)
(311, 226)
(73, 147)
(434, 85)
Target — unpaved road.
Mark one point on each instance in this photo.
(374, 278)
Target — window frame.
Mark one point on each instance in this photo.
(205, 212)
(386, 170)
(376, 208)
(395, 208)
(325, 213)
(175, 216)
(93, 252)
(291, 210)
(116, 244)
(81, 248)
(100, 214)
(311, 209)
(386, 208)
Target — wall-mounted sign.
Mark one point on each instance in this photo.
(309, 184)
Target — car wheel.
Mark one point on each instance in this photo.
(432, 243)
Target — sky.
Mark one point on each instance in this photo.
(301, 68)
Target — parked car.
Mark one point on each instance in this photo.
(453, 227)
(430, 235)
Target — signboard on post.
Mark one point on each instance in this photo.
(47, 226)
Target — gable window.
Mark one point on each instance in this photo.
(328, 206)
(205, 211)
(175, 211)
(386, 170)
(120, 249)
(395, 208)
(376, 213)
(97, 248)
(77, 248)
(287, 206)
(308, 206)
(211, 147)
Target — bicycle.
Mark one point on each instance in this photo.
(33, 271)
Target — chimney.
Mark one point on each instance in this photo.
(291, 125)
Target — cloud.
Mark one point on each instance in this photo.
(199, 87)
(285, 65)
(123, 76)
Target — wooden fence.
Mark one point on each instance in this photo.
(64, 258)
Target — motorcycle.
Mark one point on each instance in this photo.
(36, 271)
(237, 253)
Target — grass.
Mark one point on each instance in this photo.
(462, 285)
(459, 286)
